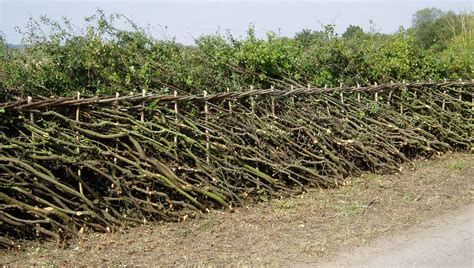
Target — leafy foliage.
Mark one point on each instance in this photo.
(113, 54)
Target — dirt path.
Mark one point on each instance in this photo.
(295, 230)
(441, 242)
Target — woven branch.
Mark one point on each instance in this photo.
(110, 99)
(65, 171)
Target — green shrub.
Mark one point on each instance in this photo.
(56, 59)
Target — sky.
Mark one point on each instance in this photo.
(186, 20)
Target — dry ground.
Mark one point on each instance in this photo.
(450, 237)
(299, 229)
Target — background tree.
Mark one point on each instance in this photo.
(434, 28)
(308, 37)
(353, 31)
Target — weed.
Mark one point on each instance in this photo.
(287, 203)
(409, 197)
(207, 224)
(353, 209)
(346, 208)
(376, 180)
(458, 166)
(374, 108)
(373, 177)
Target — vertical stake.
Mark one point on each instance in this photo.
(389, 97)
(117, 95)
(230, 102)
(32, 118)
(472, 108)
(142, 116)
(230, 110)
(78, 109)
(358, 93)
(309, 88)
(443, 105)
(390, 94)
(176, 119)
(403, 90)
(148, 194)
(292, 99)
(376, 93)
(252, 101)
(273, 102)
(341, 94)
(206, 112)
(116, 104)
(78, 113)
(326, 99)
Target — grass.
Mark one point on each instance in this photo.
(208, 223)
(458, 165)
(286, 203)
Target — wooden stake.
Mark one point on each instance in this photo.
(358, 93)
(390, 94)
(341, 94)
(326, 101)
(142, 116)
(78, 113)
(176, 119)
(292, 99)
(148, 194)
(443, 105)
(78, 109)
(32, 118)
(376, 93)
(472, 108)
(230, 102)
(206, 112)
(117, 95)
(252, 101)
(403, 90)
(273, 102)
(230, 110)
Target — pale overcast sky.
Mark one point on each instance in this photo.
(187, 20)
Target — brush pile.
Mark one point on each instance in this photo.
(70, 165)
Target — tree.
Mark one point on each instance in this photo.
(307, 37)
(436, 28)
(353, 31)
(424, 25)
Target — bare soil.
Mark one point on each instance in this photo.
(298, 229)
